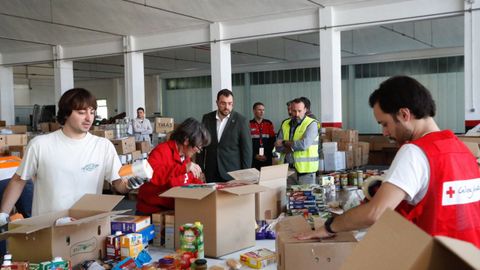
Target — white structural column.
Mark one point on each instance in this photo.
(221, 64)
(63, 73)
(134, 78)
(158, 94)
(7, 106)
(119, 94)
(472, 64)
(330, 70)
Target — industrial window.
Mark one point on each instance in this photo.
(102, 109)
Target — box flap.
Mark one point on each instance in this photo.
(196, 193)
(244, 189)
(474, 148)
(464, 250)
(251, 175)
(97, 202)
(293, 224)
(290, 226)
(92, 218)
(25, 229)
(269, 173)
(395, 243)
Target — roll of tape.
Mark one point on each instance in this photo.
(369, 182)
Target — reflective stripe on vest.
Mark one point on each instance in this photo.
(305, 161)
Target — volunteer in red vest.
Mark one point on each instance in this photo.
(434, 179)
(172, 166)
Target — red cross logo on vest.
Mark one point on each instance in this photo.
(450, 192)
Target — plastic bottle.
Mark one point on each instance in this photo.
(200, 244)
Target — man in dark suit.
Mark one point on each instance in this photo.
(231, 146)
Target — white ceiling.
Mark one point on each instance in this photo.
(35, 25)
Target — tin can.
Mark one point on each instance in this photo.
(360, 178)
(344, 179)
(352, 178)
(336, 180)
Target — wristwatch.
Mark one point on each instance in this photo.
(328, 225)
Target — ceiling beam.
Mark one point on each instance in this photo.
(346, 17)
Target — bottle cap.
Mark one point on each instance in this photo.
(200, 262)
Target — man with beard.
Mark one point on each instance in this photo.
(231, 145)
(427, 180)
(297, 141)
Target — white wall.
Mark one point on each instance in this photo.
(102, 89)
(21, 95)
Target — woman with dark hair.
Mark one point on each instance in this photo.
(172, 166)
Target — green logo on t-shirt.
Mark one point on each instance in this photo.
(90, 167)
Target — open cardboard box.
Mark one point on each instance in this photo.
(272, 202)
(227, 215)
(323, 254)
(394, 243)
(38, 239)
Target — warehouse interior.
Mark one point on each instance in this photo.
(172, 57)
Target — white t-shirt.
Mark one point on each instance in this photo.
(410, 171)
(65, 169)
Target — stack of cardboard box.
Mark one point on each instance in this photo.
(356, 153)
(159, 222)
(170, 231)
(163, 128)
(382, 149)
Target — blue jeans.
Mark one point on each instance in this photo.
(23, 205)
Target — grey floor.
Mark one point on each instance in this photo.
(126, 204)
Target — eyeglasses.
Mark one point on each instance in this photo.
(197, 149)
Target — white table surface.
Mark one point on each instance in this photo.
(158, 252)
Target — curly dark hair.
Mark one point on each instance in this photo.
(74, 99)
(403, 92)
(193, 131)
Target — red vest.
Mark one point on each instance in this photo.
(451, 206)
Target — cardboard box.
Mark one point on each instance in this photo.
(129, 223)
(3, 140)
(109, 134)
(270, 203)
(227, 216)
(54, 126)
(124, 145)
(394, 243)
(327, 135)
(37, 239)
(326, 254)
(17, 150)
(345, 135)
(163, 124)
(334, 161)
(44, 127)
(473, 144)
(378, 142)
(136, 155)
(17, 129)
(16, 139)
(143, 147)
(365, 149)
